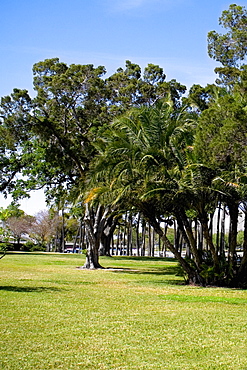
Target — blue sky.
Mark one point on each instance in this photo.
(170, 33)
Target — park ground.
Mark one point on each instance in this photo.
(136, 314)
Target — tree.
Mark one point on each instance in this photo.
(220, 145)
(230, 49)
(60, 122)
(150, 160)
(15, 141)
(44, 227)
(15, 223)
(19, 226)
(140, 162)
(73, 106)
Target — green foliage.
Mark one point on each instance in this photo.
(52, 143)
(221, 132)
(29, 246)
(140, 153)
(4, 247)
(229, 48)
(210, 274)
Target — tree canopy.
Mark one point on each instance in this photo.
(132, 142)
(230, 49)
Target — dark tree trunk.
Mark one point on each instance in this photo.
(218, 229)
(79, 230)
(200, 238)
(94, 226)
(130, 239)
(187, 232)
(203, 217)
(193, 275)
(195, 232)
(191, 270)
(233, 211)
(242, 273)
(124, 249)
(233, 232)
(153, 243)
(117, 242)
(62, 245)
(137, 235)
(128, 235)
(149, 241)
(143, 237)
(159, 245)
(105, 244)
(107, 235)
(222, 233)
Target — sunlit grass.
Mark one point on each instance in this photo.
(135, 314)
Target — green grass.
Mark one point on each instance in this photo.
(135, 314)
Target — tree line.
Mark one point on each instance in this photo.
(47, 230)
(134, 143)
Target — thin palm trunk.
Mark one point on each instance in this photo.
(137, 234)
(233, 211)
(218, 229)
(193, 275)
(149, 241)
(242, 273)
(203, 217)
(188, 235)
(222, 233)
(143, 238)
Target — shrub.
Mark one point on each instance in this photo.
(29, 246)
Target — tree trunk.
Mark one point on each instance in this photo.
(94, 223)
(137, 235)
(130, 239)
(233, 232)
(149, 241)
(242, 273)
(218, 228)
(124, 249)
(62, 246)
(143, 238)
(107, 235)
(222, 233)
(77, 236)
(200, 238)
(117, 242)
(192, 273)
(187, 232)
(204, 222)
(233, 211)
(153, 243)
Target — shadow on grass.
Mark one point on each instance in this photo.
(165, 271)
(10, 288)
(146, 258)
(171, 270)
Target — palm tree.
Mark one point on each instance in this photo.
(149, 162)
(220, 144)
(140, 163)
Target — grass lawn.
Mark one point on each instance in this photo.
(135, 314)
